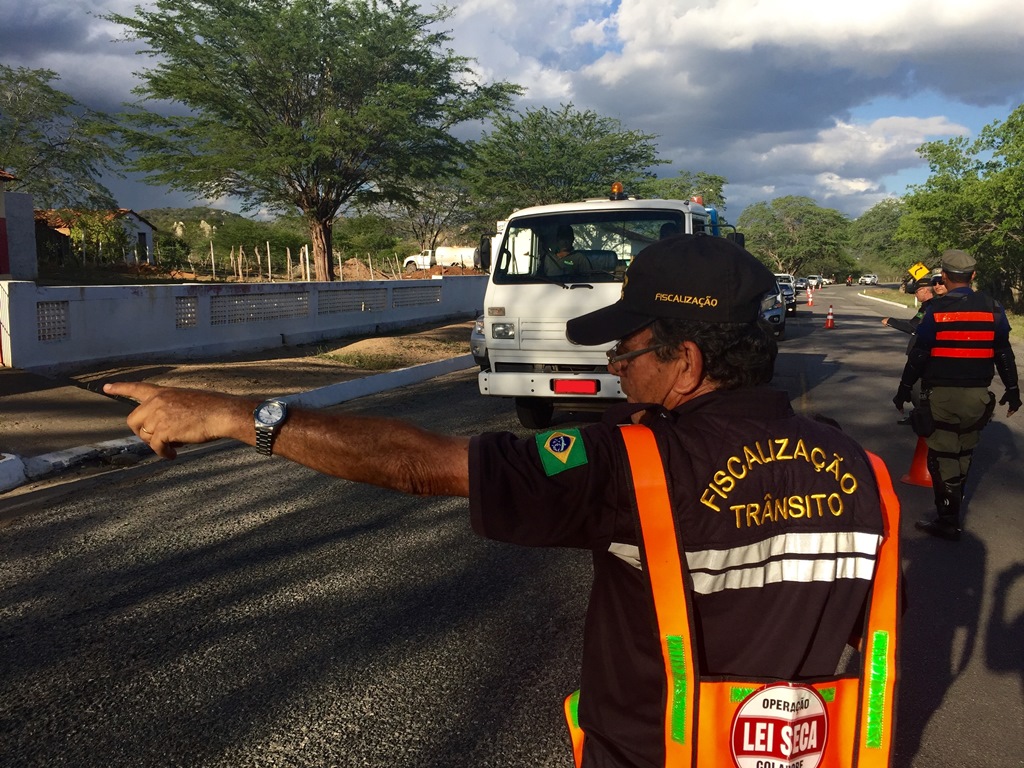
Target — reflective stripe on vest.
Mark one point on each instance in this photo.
(966, 335)
(842, 722)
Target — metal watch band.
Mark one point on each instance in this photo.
(265, 440)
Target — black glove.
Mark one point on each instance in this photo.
(1011, 397)
(902, 396)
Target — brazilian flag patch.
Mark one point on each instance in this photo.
(561, 450)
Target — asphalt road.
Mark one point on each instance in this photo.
(227, 610)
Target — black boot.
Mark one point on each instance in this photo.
(947, 501)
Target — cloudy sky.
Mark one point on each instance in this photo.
(816, 98)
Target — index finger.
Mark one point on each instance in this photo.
(139, 391)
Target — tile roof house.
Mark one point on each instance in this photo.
(53, 233)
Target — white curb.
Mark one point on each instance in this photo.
(15, 471)
(12, 472)
(344, 391)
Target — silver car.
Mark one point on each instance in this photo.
(773, 310)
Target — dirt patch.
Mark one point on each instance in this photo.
(287, 370)
(355, 269)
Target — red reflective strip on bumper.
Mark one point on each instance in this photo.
(965, 335)
(575, 386)
(964, 317)
(971, 353)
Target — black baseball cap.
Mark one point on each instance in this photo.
(688, 277)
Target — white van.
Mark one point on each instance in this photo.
(531, 294)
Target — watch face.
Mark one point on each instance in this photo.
(270, 413)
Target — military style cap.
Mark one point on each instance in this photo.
(689, 277)
(958, 261)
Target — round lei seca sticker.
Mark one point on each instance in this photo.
(780, 726)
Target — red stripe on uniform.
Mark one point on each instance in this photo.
(953, 352)
(965, 336)
(964, 317)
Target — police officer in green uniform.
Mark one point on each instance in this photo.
(962, 340)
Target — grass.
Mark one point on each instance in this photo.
(897, 297)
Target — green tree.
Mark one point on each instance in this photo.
(187, 234)
(254, 237)
(56, 148)
(546, 156)
(305, 105)
(98, 236)
(974, 199)
(874, 241)
(366, 235)
(688, 184)
(433, 212)
(794, 234)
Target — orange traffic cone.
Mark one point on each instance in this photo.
(830, 320)
(810, 298)
(919, 474)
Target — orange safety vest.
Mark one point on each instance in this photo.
(843, 721)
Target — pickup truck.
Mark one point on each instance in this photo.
(445, 256)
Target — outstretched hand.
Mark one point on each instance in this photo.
(169, 417)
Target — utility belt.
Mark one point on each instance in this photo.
(842, 721)
(924, 424)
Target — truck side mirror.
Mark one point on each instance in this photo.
(737, 237)
(484, 254)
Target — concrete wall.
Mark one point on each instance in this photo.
(47, 329)
(18, 261)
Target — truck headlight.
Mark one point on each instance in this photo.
(503, 330)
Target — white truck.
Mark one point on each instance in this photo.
(444, 255)
(520, 340)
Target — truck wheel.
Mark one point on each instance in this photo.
(411, 267)
(534, 412)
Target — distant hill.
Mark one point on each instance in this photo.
(164, 219)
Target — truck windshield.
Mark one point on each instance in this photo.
(579, 247)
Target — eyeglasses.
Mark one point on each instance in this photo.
(614, 358)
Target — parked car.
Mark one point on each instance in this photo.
(815, 281)
(784, 278)
(868, 280)
(788, 297)
(800, 284)
(773, 309)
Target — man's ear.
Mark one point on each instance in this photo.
(689, 368)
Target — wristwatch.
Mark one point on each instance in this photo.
(268, 418)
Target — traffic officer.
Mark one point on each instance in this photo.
(962, 340)
(770, 524)
(923, 292)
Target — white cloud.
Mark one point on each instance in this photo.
(591, 32)
(779, 97)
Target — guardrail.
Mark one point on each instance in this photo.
(47, 329)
